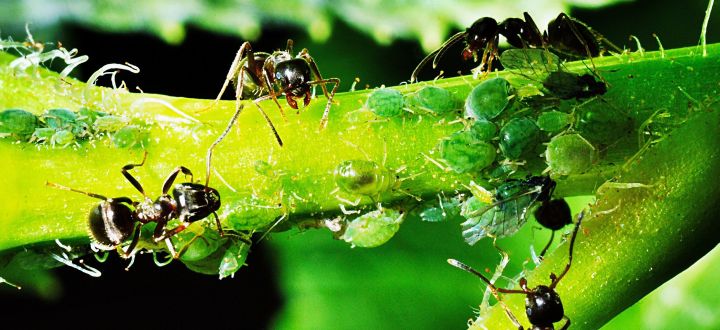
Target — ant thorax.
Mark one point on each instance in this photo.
(163, 207)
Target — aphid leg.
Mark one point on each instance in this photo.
(55, 185)
(130, 178)
(131, 248)
(554, 279)
(171, 178)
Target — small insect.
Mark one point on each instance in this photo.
(508, 211)
(18, 124)
(518, 137)
(564, 35)
(115, 220)
(365, 177)
(543, 306)
(568, 85)
(260, 76)
(373, 228)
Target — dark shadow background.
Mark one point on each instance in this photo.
(172, 296)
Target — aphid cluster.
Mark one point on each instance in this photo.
(62, 127)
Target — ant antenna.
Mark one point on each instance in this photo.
(436, 54)
(572, 244)
(57, 186)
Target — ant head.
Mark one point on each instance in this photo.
(543, 307)
(111, 223)
(293, 76)
(199, 201)
(479, 35)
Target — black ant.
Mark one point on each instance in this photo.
(262, 76)
(542, 303)
(565, 35)
(114, 220)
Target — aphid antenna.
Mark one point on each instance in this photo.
(639, 46)
(660, 46)
(2, 280)
(703, 30)
(435, 55)
(269, 230)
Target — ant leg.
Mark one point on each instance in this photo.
(130, 178)
(131, 248)
(218, 140)
(572, 244)
(268, 71)
(171, 178)
(267, 119)
(57, 186)
(567, 323)
(219, 227)
(245, 51)
(172, 232)
(492, 287)
(336, 81)
(542, 253)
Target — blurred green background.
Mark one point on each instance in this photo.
(307, 280)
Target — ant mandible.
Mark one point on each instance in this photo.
(262, 76)
(565, 35)
(114, 220)
(542, 303)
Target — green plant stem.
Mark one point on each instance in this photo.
(300, 183)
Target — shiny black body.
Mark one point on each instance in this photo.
(115, 220)
(568, 85)
(543, 306)
(564, 35)
(262, 76)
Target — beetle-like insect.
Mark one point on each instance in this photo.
(542, 303)
(509, 211)
(564, 35)
(260, 76)
(115, 220)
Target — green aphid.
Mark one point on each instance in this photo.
(86, 120)
(570, 154)
(62, 138)
(554, 121)
(385, 102)
(442, 210)
(131, 136)
(264, 168)
(604, 126)
(18, 124)
(364, 177)
(518, 136)
(59, 118)
(234, 258)
(530, 60)
(110, 123)
(489, 99)
(196, 247)
(373, 229)
(41, 135)
(464, 152)
(434, 100)
(483, 130)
